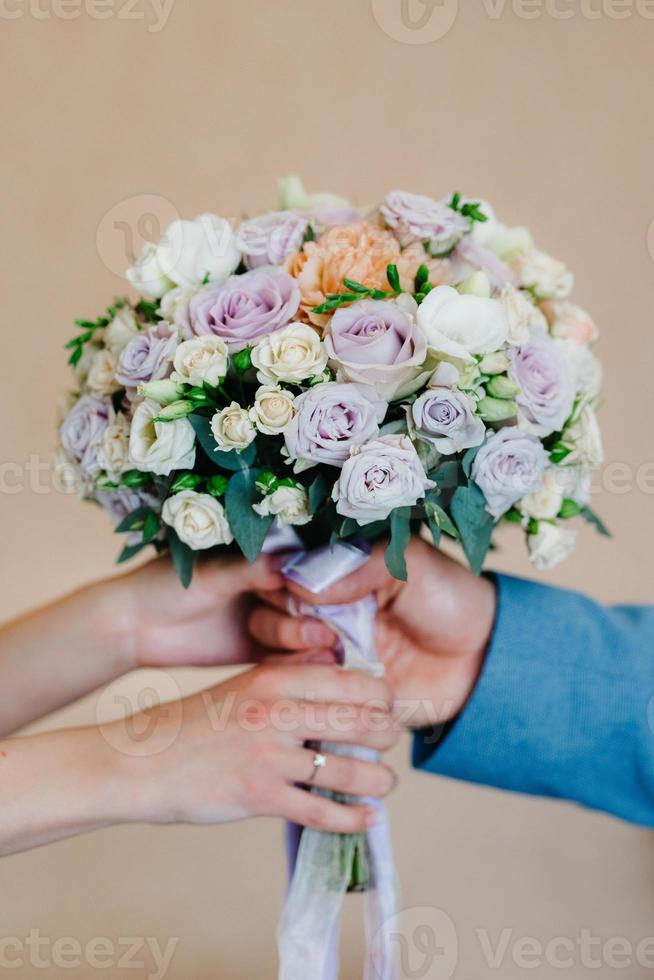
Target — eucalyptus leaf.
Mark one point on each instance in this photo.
(134, 520)
(318, 493)
(592, 518)
(469, 459)
(183, 558)
(247, 526)
(130, 551)
(475, 524)
(400, 537)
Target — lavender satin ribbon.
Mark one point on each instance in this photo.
(320, 863)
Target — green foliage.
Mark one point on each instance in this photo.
(471, 209)
(592, 518)
(183, 558)
(247, 526)
(400, 522)
(474, 523)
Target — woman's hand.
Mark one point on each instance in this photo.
(432, 631)
(56, 654)
(234, 751)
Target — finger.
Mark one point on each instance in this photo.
(340, 773)
(278, 599)
(317, 684)
(233, 576)
(370, 578)
(312, 810)
(283, 659)
(371, 726)
(283, 632)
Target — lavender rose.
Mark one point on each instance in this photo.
(83, 429)
(446, 419)
(415, 218)
(331, 420)
(378, 477)
(269, 238)
(547, 385)
(508, 467)
(149, 357)
(378, 343)
(246, 307)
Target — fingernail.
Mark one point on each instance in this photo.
(315, 634)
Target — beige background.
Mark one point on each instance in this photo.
(549, 118)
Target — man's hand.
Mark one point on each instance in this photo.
(432, 631)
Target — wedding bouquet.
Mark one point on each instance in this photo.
(348, 375)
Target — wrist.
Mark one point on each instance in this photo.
(108, 613)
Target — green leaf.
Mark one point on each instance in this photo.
(393, 277)
(242, 360)
(475, 524)
(151, 527)
(317, 493)
(129, 552)
(400, 537)
(422, 278)
(570, 508)
(217, 484)
(225, 461)
(469, 459)
(348, 527)
(439, 517)
(247, 526)
(446, 476)
(183, 558)
(559, 452)
(134, 479)
(185, 480)
(355, 287)
(134, 521)
(592, 518)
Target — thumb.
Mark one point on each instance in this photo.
(371, 578)
(235, 575)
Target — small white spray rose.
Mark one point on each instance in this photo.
(544, 503)
(584, 438)
(123, 328)
(550, 546)
(290, 505)
(232, 428)
(273, 409)
(113, 454)
(202, 360)
(522, 315)
(174, 307)
(101, 379)
(160, 447)
(546, 276)
(292, 354)
(198, 519)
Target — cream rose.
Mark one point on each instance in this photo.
(113, 454)
(202, 360)
(522, 314)
(101, 379)
(273, 409)
(198, 519)
(232, 428)
(174, 307)
(546, 276)
(292, 354)
(570, 322)
(290, 505)
(550, 546)
(123, 328)
(544, 503)
(460, 326)
(160, 447)
(584, 438)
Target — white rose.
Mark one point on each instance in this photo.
(188, 253)
(584, 438)
(198, 519)
(548, 277)
(160, 447)
(290, 505)
(586, 366)
(201, 360)
(499, 238)
(113, 454)
(101, 379)
(460, 326)
(147, 273)
(293, 353)
(123, 328)
(551, 545)
(576, 483)
(67, 474)
(273, 409)
(522, 314)
(232, 428)
(174, 307)
(544, 503)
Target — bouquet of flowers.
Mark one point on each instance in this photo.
(348, 375)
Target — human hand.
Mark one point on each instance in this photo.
(237, 750)
(432, 631)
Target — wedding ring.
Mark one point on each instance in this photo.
(319, 762)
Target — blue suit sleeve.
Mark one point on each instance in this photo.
(564, 706)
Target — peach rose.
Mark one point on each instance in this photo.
(360, 251)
